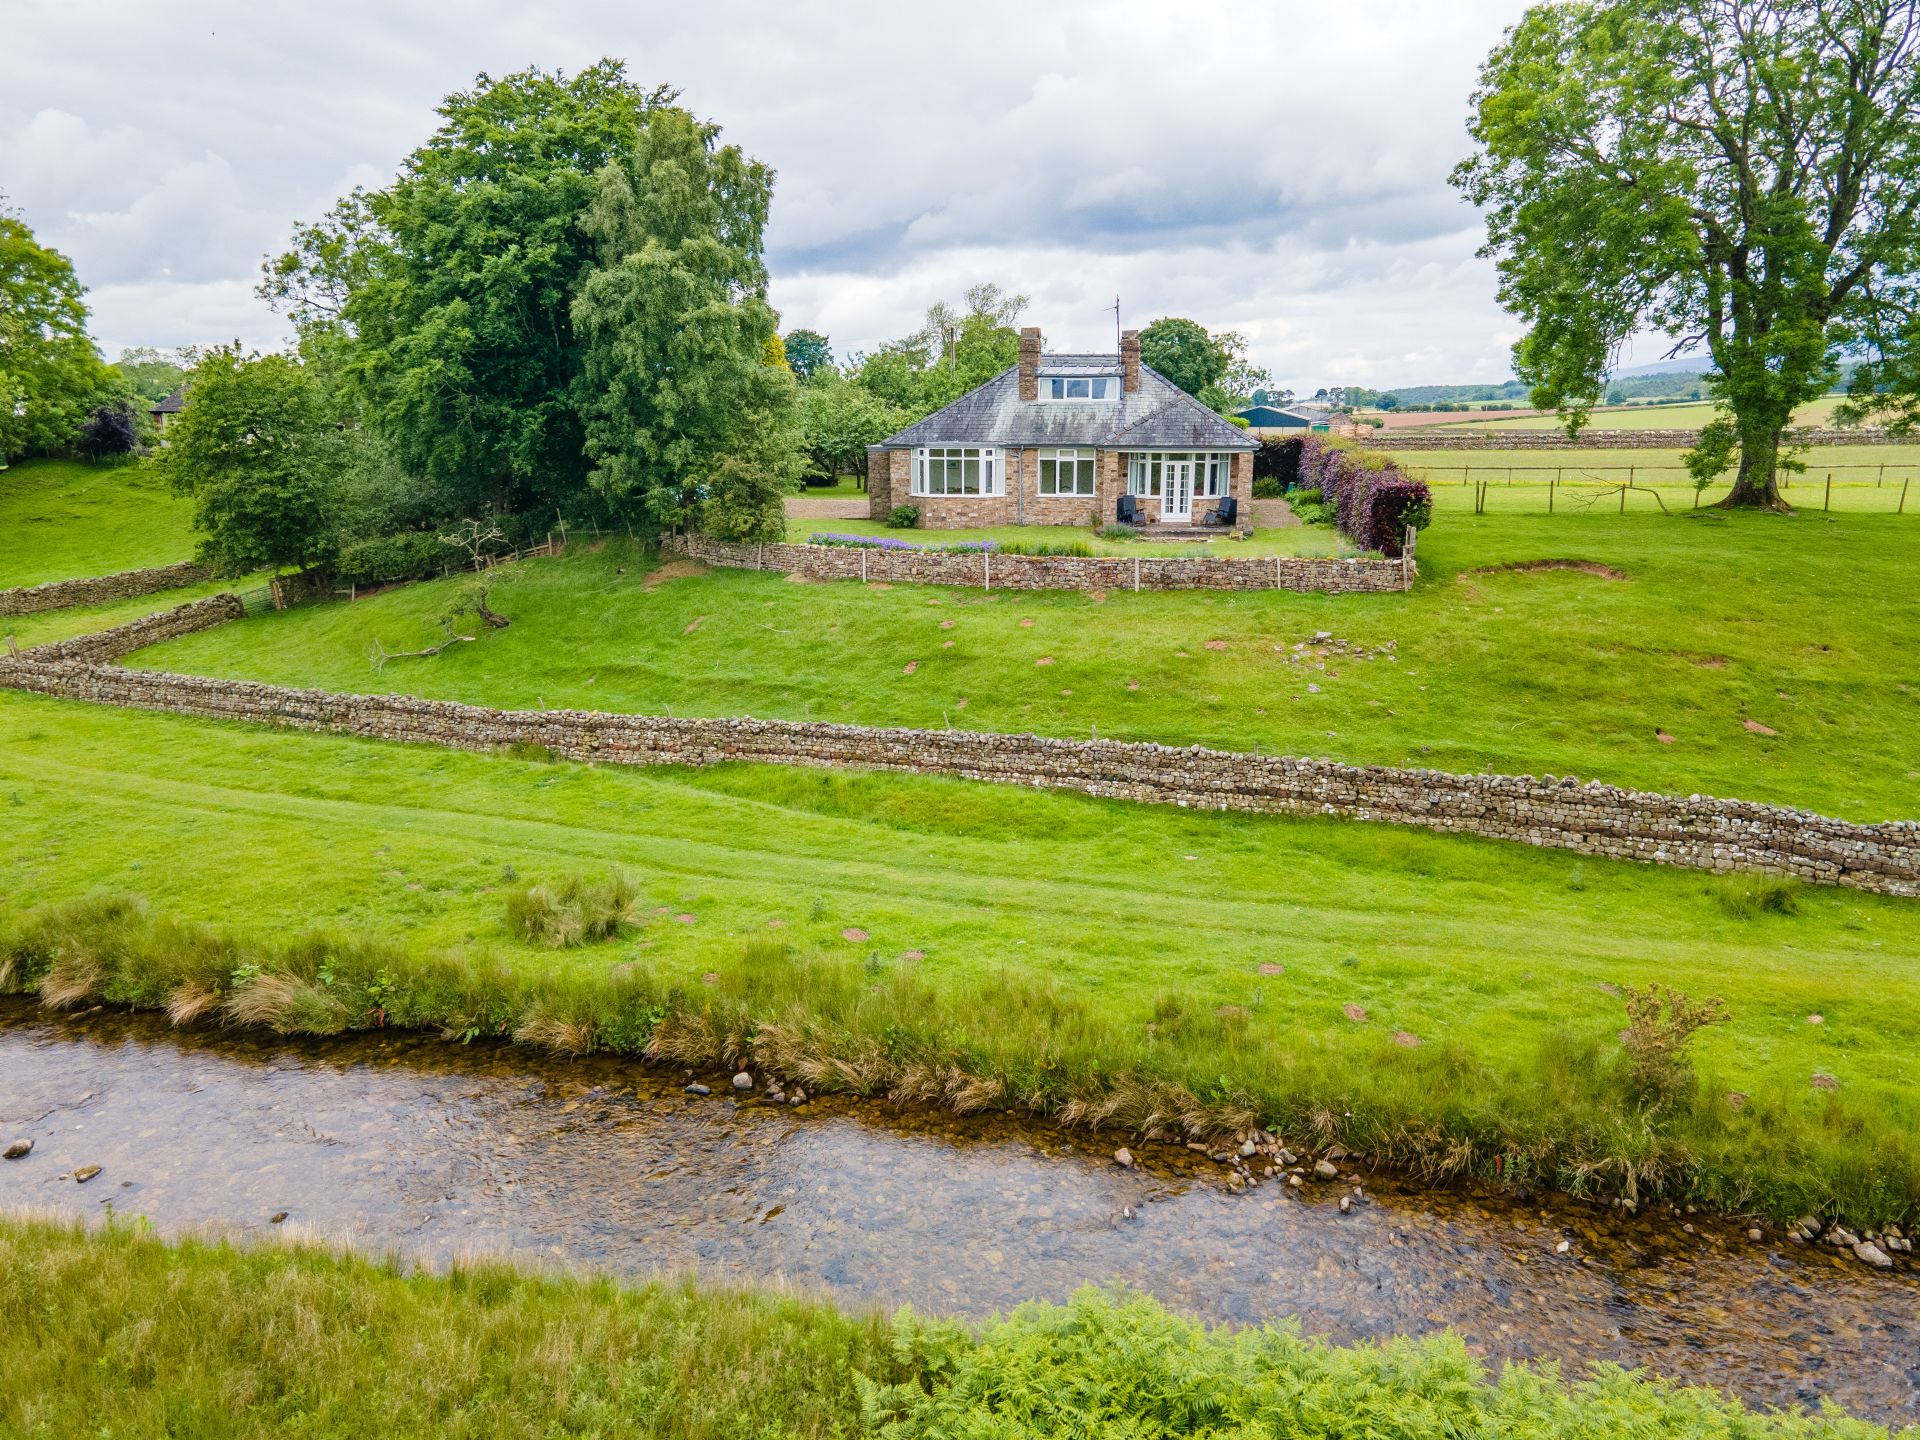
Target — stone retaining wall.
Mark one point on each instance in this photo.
(1447, 439)
(1591, 819)
(1057, 572)
(128, 584)
(200, 614)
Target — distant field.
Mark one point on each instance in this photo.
(1867, 479)
(1636, 417)
(64, 520)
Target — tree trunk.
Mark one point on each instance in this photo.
(1755, 484)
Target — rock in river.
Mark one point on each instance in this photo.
(1123, 1157)
(743, 1082)
(1873, 1254)
(87, 1172)
(697, 1089)
(18, 1149)
(1326, 1169)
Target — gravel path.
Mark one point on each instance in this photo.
(1271, 513)
(802, 507)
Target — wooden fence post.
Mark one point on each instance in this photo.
(1903, 495)
(1828, 504)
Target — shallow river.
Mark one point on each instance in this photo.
(438, 1151)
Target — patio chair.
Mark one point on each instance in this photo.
(1128, 512)
(1226, 512)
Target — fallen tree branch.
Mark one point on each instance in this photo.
(381, 654)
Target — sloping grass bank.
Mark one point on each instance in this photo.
(66, 519)
(116, 1333)
(1056, 941)
(1803, 626)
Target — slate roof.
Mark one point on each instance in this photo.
(173, 404)
(1157, 416)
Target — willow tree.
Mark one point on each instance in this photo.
(1740, 176)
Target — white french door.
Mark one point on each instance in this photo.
(1176, 490)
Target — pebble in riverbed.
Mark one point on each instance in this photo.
(1123, 1157)
(18, 1149)
(697, 1089)
(1326, 1169)
(86, 1173)
(743, 1082)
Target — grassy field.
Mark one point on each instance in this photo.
(1643, 417)
(117, 1334)
(1807, 626)
(1052, 941)
(1867, 480)
(63, 520)
(1286, 540)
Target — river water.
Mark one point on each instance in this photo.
(439, 1151)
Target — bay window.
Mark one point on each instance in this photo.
(956, 470)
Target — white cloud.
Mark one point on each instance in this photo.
(1274, 168)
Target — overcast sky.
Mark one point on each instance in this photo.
(1278, 169)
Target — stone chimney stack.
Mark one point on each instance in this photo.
(1030, 362)
(1129, 361)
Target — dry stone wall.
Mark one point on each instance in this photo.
(1057, 572)
(1591, 819)
(126, 585)
(1443, 439)
(121, 640)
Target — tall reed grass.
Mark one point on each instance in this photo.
(1570, 1115)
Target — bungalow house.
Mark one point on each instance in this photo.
(1067, 440)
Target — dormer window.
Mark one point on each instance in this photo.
(1081, 387)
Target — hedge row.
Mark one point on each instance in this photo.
(1374, 501)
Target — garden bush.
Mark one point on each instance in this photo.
(1118, 532)
(412, 555)
(1373, 501)
(844, 541)
(903, 517)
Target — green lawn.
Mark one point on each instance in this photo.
(285, 1340)
(846, 487)
(1059, 938)
(64, 520)
(1286, 540)
(1808, 626)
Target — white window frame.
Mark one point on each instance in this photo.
(1212, 472)
(1084, 470)
(1055, 387)
(986, 458)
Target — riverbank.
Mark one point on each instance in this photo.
(1576, 1117)
(290, 1340)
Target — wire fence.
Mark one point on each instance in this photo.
(1862, 487)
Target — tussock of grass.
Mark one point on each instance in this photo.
(1747, 896)
(1573, 1112)
(115, 1332)
(573, 911)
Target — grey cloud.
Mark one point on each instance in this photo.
(1275, 168)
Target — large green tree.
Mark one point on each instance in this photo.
(260, 453)
(680, 361)
(1185, 353)
(1739, 175)
(808, 353)
(456, 283)
(840, 419)
(51, 376)
(957, 348)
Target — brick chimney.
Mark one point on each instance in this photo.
(1030, 362)
(1129, 361)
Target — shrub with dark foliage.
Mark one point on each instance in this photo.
(109, 431)
(1374, 501)
(412, 555)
